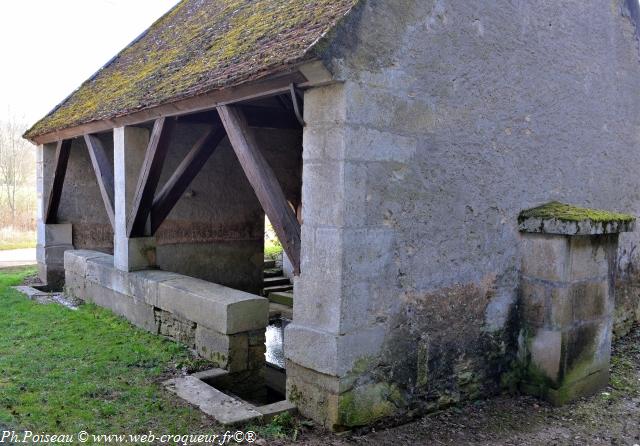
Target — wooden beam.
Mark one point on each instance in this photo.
(167, 198)
(150, 175)
(209, 101)
(63, 150)
(264, 182)
(104, 173)
(258, 117)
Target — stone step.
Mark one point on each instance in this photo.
(269, 263)
(277, 289)
(283, 298)
(278, 280)
(273, 272)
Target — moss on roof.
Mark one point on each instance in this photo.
(198, 46)
(566, 212)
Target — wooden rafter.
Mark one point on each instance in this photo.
(257, 116)
(264, 181)
(150, 175)
(169, 195)
(63, 150)
(104, 173)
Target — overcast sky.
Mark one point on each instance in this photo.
(49, 47)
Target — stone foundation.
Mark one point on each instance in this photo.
(223, 325)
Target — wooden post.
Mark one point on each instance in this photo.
(167, 198)
(150, 175)
(264, 182)
(63, 150)
(104, 173)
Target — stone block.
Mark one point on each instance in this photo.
(561, 311)
(176, 328)
(586, 349)
(214, 306)
(590, 300)
(229, 352)
(136, 254)
(546, 353)
(545, 257)
(76, 260)
(588, 258)
(138, 313)
(225, 409)
(534, 303)
(57, 234)
(143, 285)
(101, 271)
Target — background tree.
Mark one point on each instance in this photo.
(17, 170)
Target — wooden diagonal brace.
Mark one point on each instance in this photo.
(149, 176)
(264, 182)
(167, 198)
(63, 150)
(104, 173)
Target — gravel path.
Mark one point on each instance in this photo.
(611, 417)
(17, 257)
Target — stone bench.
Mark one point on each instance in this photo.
(224, 325)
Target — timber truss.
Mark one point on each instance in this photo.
(151, 207)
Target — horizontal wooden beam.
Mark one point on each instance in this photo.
(209, 101)
(63, 150)
(257, 117)
(190, 166)
(104, 173)
(149, 176)
(264, 182)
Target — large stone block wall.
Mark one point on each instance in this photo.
(224, 325)
(450, 119)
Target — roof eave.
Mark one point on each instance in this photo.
(309, 74)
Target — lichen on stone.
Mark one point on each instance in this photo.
(566, 212)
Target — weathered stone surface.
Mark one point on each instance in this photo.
(545, 257)
(230, 352)
(546, 353)
(214, 306)
(225, 409)
(181, 330)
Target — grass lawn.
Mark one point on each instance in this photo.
(63, 371)
(16, 244)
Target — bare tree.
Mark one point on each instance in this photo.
(16, 161)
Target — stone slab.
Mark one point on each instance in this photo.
(214, 306)
(225, 409)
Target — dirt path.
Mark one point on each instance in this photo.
(611, 417)
(17, 257)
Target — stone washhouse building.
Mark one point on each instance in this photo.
(436, 171)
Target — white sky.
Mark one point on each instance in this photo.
(49, 47)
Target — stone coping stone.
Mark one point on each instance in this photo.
(223, 309)
(564, 219)
(224, 408)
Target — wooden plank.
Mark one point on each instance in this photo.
(63, 150)
(208, 101)
(104, 173)
(257, 116)
(190, 166)
(150, 175)
(264, 182)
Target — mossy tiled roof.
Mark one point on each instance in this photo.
(198, 46)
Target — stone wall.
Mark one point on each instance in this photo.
(450, 119)
(223, 325)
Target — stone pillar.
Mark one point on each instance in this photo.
(567, 299)
(52, 239)
(129, 147)
(332, 337)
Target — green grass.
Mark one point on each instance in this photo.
(65, 371)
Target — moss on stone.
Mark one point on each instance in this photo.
(197, 47)
(366, 404)
(566, 212)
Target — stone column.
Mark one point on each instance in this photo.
(129, 147)
(52, 239)
(567, 299)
